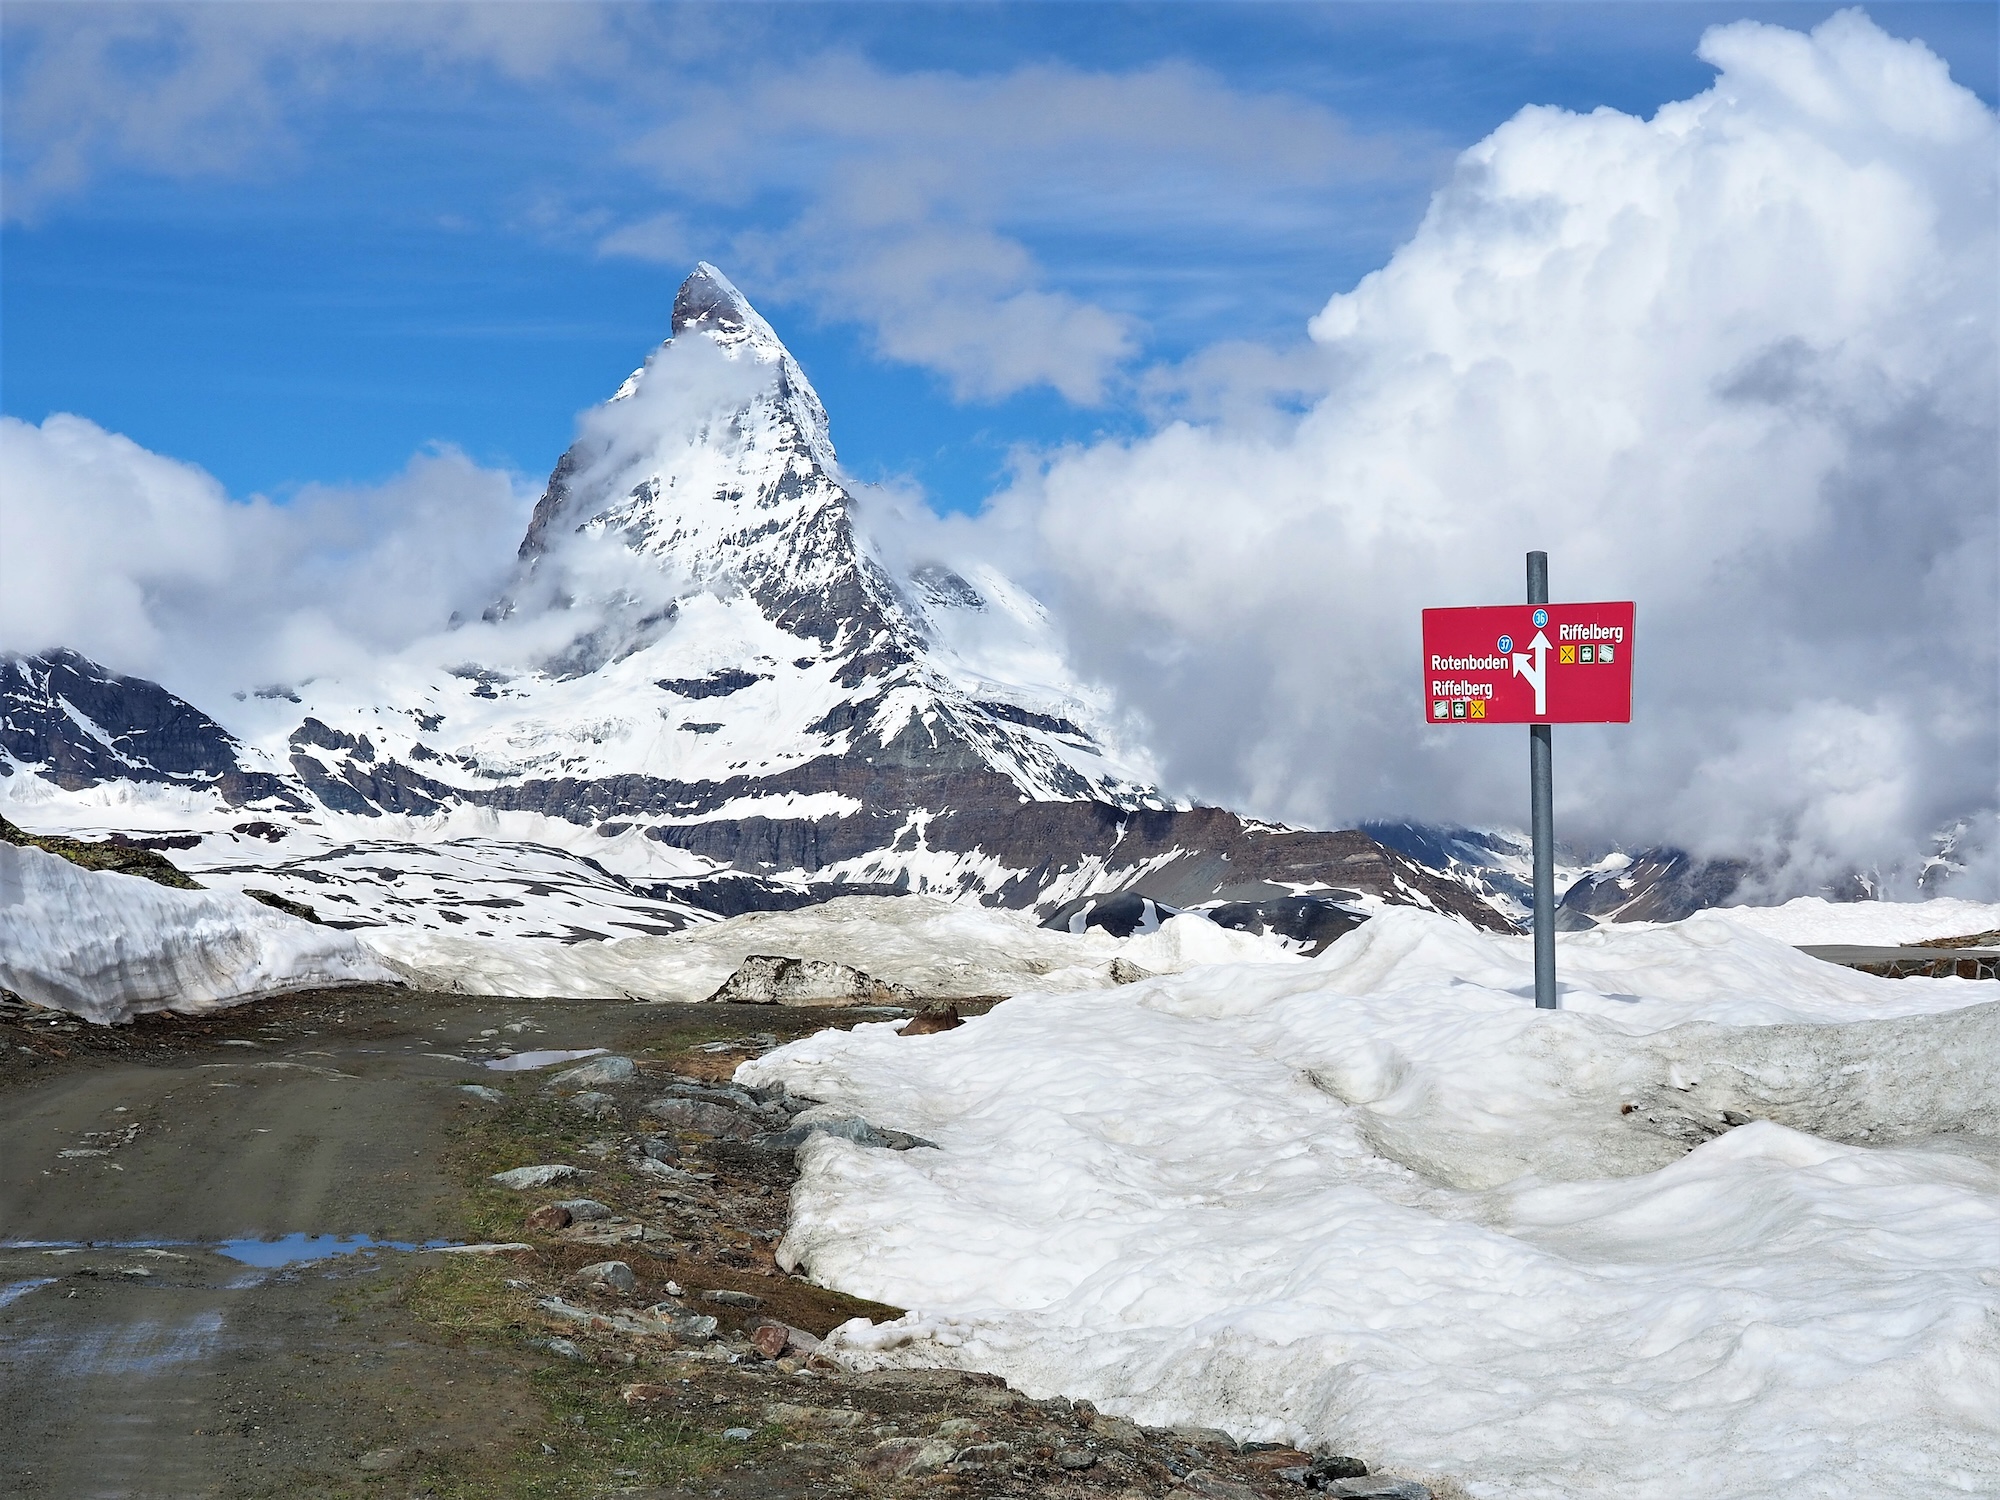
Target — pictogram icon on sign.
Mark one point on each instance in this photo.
(1566, 656)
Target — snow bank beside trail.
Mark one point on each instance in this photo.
(1812, 920)
(937, 949)
(108, 946)
(1378, 1199)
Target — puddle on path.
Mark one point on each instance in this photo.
(270, 1254)
(521, 1061)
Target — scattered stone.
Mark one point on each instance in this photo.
(382, 1461)
(1205, 1437)
(646, 1166)
(640, 1392)
(784, 1414)
(706, 1117)
(894, 1456)
(957, 1427)
(1075, 1459)
(595, 1073)
(984, 1455)
(583, 1210)
(614, 1274)
(1212, 1487)
(595, 1105)
(562, 1347)
(481, 1091)
(999, 1398)
(768, 979)
(522, 1178)
(550, 1216)
(1117, 1430)
(1377, 1487)
(737, 1434)
(725, 1298)
(847, 1127)
(771, 1340)
(686, 1327)
(1331, 1466)
(1124, 971)
(615, 1320)
(934, 1019)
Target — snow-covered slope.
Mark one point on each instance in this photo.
(106, 946)
(1726, 1225)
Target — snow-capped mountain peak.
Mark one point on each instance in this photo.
(703, 670)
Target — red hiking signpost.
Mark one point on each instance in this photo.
(1537, 664)
(1529, 664)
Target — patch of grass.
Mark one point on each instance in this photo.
(599, 1446)
(467, 1296)
(528, 1130)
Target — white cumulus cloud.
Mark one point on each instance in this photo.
(1735, 362)
(146, 564)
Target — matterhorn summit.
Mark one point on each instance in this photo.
(701, 691)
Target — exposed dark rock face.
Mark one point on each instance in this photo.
(79, 725)
(1312, 920)
(1659, 885)
(715, 685)
(1121, 914)
(51, 704)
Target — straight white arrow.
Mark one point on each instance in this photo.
(1538, 674)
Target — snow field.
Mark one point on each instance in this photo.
(938, 949)
(1375, 1199)
(1887, 924)
(106, 946)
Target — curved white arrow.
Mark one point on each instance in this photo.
(1538, 674)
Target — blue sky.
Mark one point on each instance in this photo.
(298, 243)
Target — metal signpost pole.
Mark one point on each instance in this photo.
(1541, 753)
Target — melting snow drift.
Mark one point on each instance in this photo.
(1728, 1224)
(107, 946)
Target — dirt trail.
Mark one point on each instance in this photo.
(141, 1354)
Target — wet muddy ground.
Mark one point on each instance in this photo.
(223, 1272)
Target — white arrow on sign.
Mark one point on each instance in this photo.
(1538, 674)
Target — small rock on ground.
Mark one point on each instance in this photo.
(596, 1072)
(1377, 1487)
(614, 1274)
(522, 1178)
